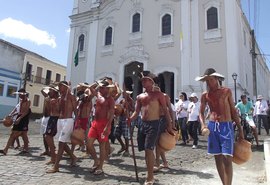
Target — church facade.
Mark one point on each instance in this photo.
(175, 39)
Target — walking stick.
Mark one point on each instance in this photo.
(131, 135)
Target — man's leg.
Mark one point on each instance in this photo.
(254, 130)
(224, 167)
(92, 152)
(72, 156)
(103, 154)
(25, 141)
(265, 123)
(60, 152)
(149, 159)
(259, 121)
(51, 146)
(13, 136)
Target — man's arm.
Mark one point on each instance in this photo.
(137, 110)
(169, 120)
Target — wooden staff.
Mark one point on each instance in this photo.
(131, 134)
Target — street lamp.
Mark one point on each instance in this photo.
(234, 76)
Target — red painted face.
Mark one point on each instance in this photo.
(146, 82)
(211, 81)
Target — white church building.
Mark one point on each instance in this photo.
(175, 39)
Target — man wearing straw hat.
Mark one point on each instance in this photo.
(149, 104)
(65, 124)
(20, 125)
(101, 126)
(222, 114)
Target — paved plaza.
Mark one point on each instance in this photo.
(187, 166)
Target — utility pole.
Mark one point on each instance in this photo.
(254, 70)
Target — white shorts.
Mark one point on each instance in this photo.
(43, 124)
(64, 129)
(251, 123)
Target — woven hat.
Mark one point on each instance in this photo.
(64, 83)
(21, 92)
(105, 83)
(148, 75)
(50, 87)
(260, 97)
(209, 72)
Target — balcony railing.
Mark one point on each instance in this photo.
(38, 80)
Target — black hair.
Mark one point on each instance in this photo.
(185, 95)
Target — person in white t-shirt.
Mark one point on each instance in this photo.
(193, 118)
(181, 112)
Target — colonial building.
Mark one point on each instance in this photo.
(175, 39)
(22, 68)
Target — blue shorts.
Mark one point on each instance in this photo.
(148, 135)
(221, 138)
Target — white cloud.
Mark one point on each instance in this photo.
(68, 30)
(19, 30)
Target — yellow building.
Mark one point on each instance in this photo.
(39, 72)
(23, 68)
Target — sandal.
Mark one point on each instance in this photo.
(93, 169)
(120, 151)
(98, 172)
(149, 182)
(156, 168)
(49, 162)
(164, 166)
(3, 152)
(52, 170)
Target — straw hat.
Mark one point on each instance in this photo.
(64, 83)
(105, 83)
(209, 72)
(260, 97)
(21, 92)
(148, 75)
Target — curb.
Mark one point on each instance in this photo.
(266, 148)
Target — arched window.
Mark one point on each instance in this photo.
(136, 22)
(81, 42)
(212, 18)
(108, 36)
(166, 24)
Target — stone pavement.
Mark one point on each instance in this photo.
(187, 166)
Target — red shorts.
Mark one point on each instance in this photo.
(97, 127)
(81, 123)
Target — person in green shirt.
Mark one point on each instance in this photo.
(246, 109)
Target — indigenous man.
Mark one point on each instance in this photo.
(101, 126)
(126, 106)
(45, 118)
(20, 126)
(65, 124)
(149, 103)
(222, 114)
(84, 108)
(162, 128)
(51, 129)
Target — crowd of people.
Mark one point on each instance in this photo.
(104, 112)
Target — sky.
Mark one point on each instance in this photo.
(42, 26)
